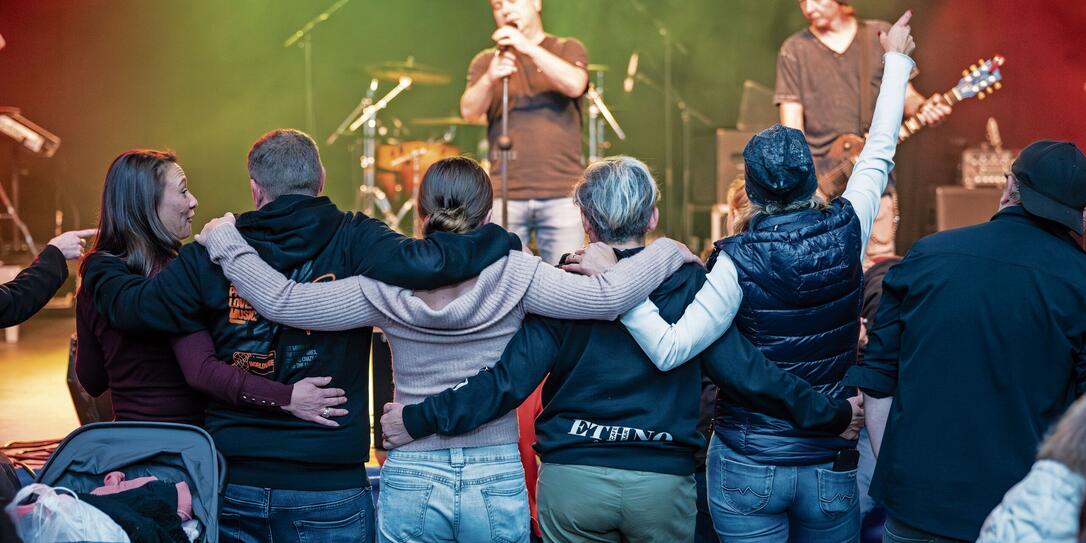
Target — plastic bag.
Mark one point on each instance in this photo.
(59, 516)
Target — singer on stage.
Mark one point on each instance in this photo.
(547, 77)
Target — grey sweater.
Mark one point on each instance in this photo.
(434, 349)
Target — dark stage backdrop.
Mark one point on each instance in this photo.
(207, 77)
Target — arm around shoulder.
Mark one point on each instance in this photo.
(558, 294)
(705, 319)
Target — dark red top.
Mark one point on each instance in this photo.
(150, 380)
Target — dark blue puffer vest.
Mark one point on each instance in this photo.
(802, 284)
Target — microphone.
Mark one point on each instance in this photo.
(631, 73)
(506, 48)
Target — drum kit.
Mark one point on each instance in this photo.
(392, 166)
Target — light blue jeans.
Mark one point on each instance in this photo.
(752, 502)
(461, 494)
(555, 221)
(265, 515)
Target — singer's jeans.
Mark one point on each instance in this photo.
(555, 221)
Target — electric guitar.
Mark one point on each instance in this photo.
(979, 81)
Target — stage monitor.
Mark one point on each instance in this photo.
(956, 207)
(756, 108)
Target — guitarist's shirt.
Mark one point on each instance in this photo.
(827, 84)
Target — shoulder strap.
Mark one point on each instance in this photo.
(865, 76)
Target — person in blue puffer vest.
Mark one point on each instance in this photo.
(793, 283)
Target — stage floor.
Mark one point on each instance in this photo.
(34, 399)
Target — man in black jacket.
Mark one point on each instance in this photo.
(290, 479)
(979, 344)
(617, 437)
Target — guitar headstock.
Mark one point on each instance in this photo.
(981, 79)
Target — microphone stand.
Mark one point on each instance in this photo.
(505, 144)
(303, 34)
(669, 159)
(686, 112)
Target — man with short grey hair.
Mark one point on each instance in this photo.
(289, 479)
(617, 436)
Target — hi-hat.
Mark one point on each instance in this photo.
(446, 121)
(420, 74)
(598, 68)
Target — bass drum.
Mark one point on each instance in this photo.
(410, 159)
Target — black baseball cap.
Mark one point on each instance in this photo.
(1052, 181)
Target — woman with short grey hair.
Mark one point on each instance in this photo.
(618, 197)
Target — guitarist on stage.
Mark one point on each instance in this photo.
(828, 78)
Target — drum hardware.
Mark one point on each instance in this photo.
(365, 114)
(419, 73)
(597, 108)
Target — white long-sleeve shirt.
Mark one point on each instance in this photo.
(715, 305)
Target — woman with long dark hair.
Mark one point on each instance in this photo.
(146, 212)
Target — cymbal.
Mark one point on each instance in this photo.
(598, 68)
(420, 74)
(445, 121)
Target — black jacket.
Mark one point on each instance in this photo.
(980, 338)
(308, 239)
(605, 404)
(802, 280)
(25, 295)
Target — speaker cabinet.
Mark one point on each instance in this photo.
(729, 158)
(956, 207)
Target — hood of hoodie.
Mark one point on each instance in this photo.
(292, 229)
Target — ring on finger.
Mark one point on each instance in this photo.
(325, 412)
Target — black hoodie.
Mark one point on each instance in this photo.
(308, 239)
(605, 404)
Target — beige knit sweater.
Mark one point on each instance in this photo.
(434, 349)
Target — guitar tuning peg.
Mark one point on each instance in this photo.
(998, 85)
(981, 96)
(989, 90)
(980, 62)
(973, 68)
(965, 73)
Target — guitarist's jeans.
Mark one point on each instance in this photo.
(752, 502)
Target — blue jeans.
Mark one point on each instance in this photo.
(265, 515)
(460, 494)
(555, 221)
(757, 502)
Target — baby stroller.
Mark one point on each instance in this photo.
(171, 452)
